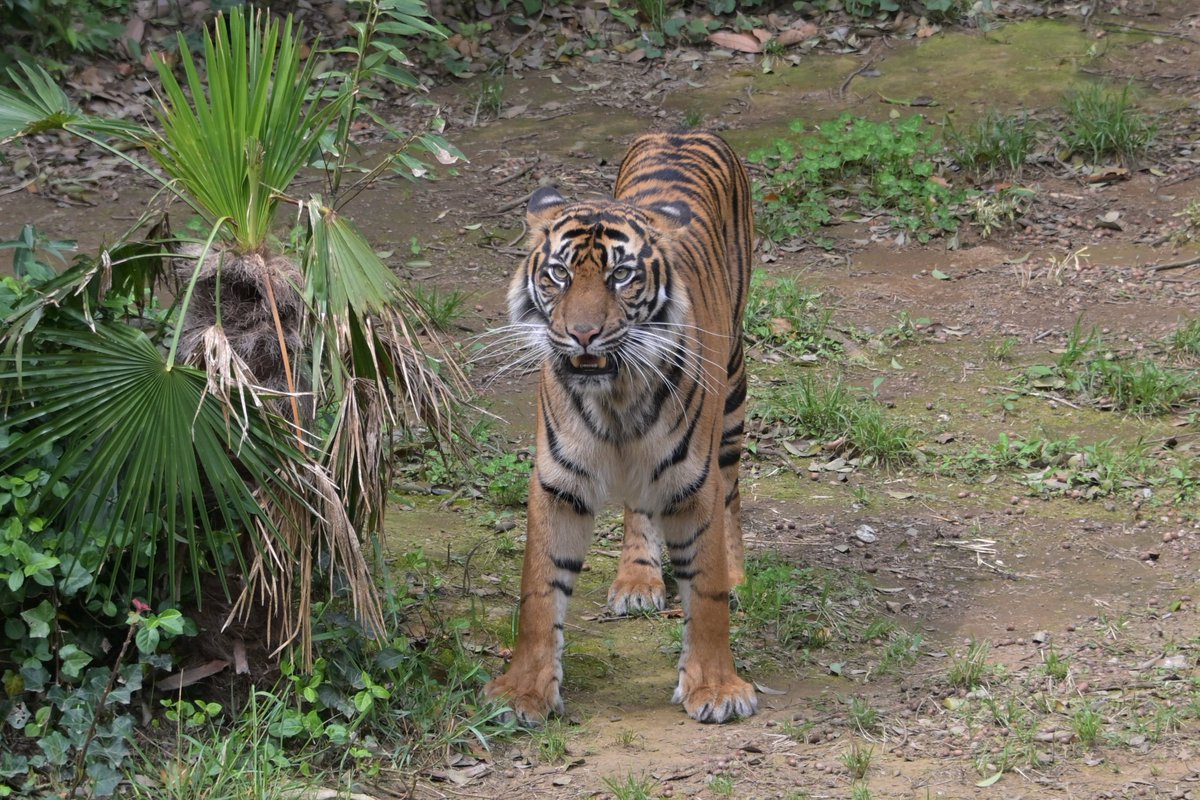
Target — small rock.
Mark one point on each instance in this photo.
(866, 534)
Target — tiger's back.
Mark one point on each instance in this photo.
(635, 308)
(659, 167)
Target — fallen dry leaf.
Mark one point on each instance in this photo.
(742, 42)
(798, 34)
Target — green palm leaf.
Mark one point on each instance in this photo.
(154, 451)
(236, 142)
(38, 105)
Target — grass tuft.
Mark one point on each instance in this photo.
(1104, 124)
(995, 145)
(970, 671)
(780, 313)
(829, 411)
(857, 761)
(630, 787)
(1186, 339)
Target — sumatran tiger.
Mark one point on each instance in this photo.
(634, 308)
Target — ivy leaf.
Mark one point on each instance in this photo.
(941, 276)
(171, 621)
(38, 619)
(55, 746)
(73, 660)
(75, 576)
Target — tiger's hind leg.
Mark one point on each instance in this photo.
(639, 582)
(560, 527)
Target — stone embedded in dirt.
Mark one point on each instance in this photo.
(1040, 637)
(1175, 662)
(866, 534)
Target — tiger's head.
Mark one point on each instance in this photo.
(596, 296)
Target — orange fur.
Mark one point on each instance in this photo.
(635, 308)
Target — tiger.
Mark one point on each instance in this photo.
(633, 307)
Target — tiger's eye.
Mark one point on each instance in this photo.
(622, 274)
(559, 273)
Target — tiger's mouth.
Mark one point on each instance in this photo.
(591, 365)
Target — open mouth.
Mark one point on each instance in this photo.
(591, 365)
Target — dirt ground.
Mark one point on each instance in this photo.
(1109, 584)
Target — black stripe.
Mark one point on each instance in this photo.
(555, 447)
(691, 540)
(679, 453)
(567, 498)
(728, 459)
(737, 395)
(733, 434)
(569, 564)
(688, 492)
(645, 562)
(562, 587)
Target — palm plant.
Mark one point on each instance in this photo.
(266, 402)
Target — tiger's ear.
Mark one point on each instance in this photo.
(670, 216)
(544, 205)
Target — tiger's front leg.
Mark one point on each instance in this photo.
(709, 687)
(560, 527)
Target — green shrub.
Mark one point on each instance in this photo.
(71, 653)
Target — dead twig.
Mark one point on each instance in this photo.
(1121, 27)
(1187, 262)
(871, 59)
(525, 170)
(1035, 393)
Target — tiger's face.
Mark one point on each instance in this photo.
(595, 296)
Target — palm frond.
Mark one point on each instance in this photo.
(236, 140)
(382, 377)
(38, 105)
(148, 448)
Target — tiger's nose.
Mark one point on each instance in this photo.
(584, 334)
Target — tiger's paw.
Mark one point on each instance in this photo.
(532, 701)
(720, 703)
(635, 595)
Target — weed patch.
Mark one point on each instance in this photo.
(828, 411)
(1097, 375)
(862, 169)
(782, 315)
(492, 474)
(1065, 466)
(1186, 339)
(784, 609)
